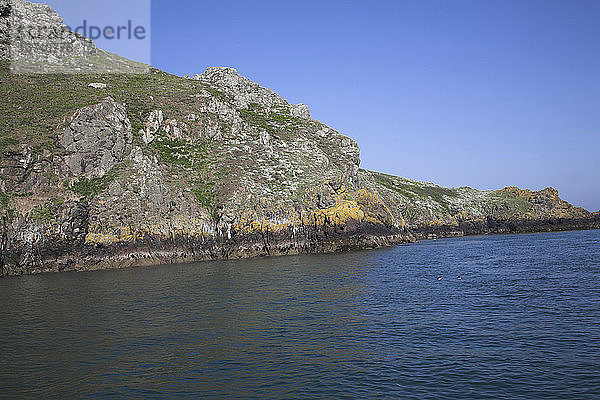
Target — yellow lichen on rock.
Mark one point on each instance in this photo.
(184, 226)
(97, 235)
(340, 213)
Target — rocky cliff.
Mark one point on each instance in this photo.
(433, 211)
(125, 166)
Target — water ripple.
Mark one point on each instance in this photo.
(522, 323)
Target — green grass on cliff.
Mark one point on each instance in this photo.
(181, 153)
(205, 196)
(4, 200)
(275, 122)
(413, 191)
(44, 212)
(505, 204)
(88, 188)
(34, 106)
(224, 97)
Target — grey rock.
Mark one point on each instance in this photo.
(244, 90)
(97, 139)
(301, 111)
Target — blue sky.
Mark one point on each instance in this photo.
(474, 93)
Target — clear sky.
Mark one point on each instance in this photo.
(474, 93)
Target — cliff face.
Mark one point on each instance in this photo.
(106, 170)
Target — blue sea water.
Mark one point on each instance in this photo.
(522, 323)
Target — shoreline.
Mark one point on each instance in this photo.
(128, 256)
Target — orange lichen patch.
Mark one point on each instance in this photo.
(568, 212)
(114, 235)
(376, 210)
(340, 213)
(264, 217)
(264, 226)
(549, 192)
(581, 211)
(364, 196)
(360, 206)
(462, 215)
(437, 222)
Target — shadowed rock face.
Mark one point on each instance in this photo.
(125, 170)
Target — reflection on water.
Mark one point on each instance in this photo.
(522, 323)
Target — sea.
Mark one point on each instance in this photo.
(480, 317)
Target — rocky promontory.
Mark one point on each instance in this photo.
(126, 166)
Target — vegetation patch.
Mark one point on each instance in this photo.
(508, 204)
(181, 153)
(44, 212)
(273, 122)
(4, 200)
(224, 97)
(89, 188)
(414, 191)
(35, 105)
(6, 141)
(206, 198)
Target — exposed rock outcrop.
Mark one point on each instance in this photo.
(97, 139)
